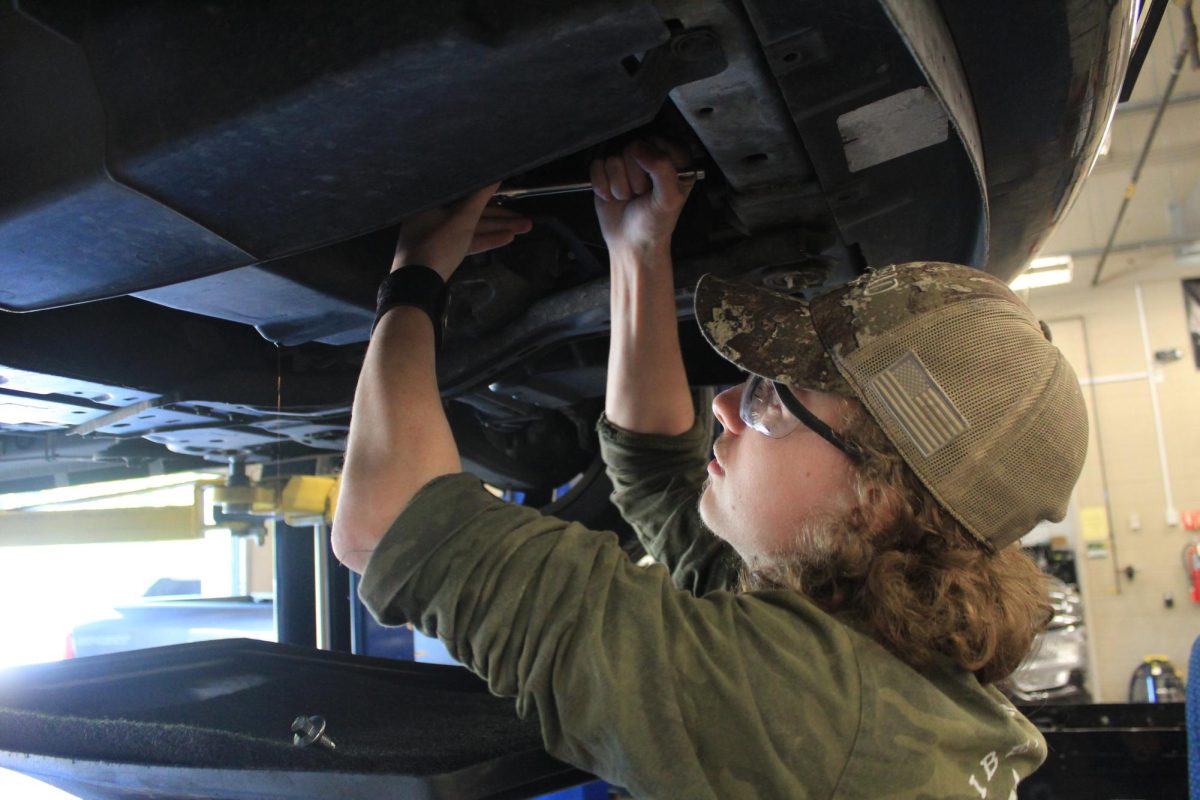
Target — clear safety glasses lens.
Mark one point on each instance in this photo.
(762, 410)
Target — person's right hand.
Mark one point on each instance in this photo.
(439, 238)
(639, 196)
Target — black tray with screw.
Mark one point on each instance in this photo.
(215, 720)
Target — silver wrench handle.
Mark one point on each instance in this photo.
(514, 193)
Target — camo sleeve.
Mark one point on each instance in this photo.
(657, 481)
(630, 678)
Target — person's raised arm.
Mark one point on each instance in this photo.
(638, 200)
(399, 437)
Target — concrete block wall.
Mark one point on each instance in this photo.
(1128, 618)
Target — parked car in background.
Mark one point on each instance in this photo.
(1056, 669)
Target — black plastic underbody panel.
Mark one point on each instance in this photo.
(68, 231)
(222, 160)
(213, 720)
(918, 197)
(182, 123)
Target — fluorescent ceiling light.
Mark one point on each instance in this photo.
(1046, 271)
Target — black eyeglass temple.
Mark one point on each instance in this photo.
(814, 423)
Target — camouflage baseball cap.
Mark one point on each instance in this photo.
(957, 371)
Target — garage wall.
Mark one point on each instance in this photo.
(1128, 618)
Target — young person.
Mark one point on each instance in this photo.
(837, 588)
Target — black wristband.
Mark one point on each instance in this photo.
(420, 287)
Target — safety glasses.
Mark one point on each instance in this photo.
(771, 409)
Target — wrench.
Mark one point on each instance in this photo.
(516, 193)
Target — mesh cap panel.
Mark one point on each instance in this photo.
(996, 471)
(1017, 491)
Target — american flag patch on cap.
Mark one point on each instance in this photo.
(918, 403)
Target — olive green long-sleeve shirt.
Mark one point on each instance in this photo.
(659, 679)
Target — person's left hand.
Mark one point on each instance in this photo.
(441, 238)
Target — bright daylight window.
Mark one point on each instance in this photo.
(84, 594)
(63, 600)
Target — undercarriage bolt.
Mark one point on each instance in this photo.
(309, 730)
(695, 45)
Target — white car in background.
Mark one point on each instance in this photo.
(1056, 669)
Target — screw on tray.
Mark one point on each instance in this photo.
(310, 730)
